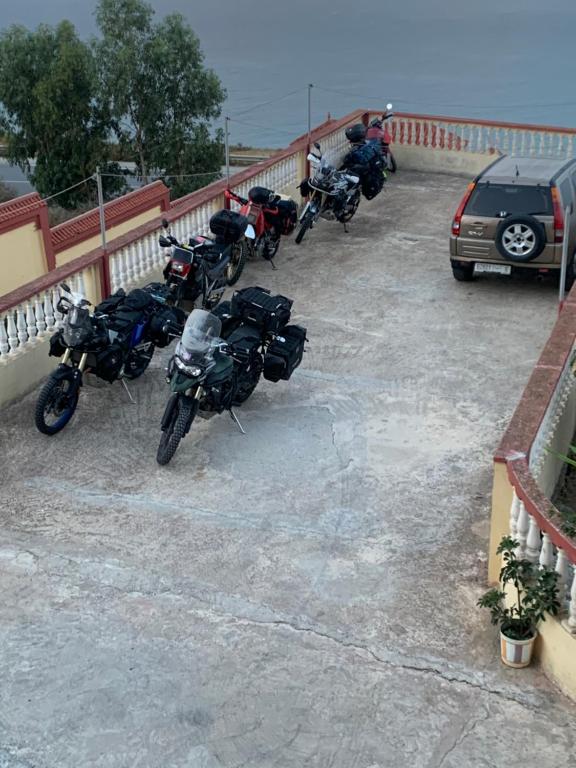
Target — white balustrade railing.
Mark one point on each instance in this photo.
(469, 136)
(22, 326)
(535, 545)
(555, 432)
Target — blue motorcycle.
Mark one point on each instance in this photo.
(115, 342)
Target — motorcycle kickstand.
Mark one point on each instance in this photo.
(128, 391)
(235, 418)
(272, 264)
(345, 227)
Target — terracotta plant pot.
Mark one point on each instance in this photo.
(516, 653)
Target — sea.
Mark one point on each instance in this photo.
(507, 60)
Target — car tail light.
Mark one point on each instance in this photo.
(558, 216)
(181, 268)
(460, 212)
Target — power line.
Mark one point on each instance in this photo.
(270, 101)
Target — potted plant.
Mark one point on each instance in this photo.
(518, 610)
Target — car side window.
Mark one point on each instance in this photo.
(566, 192)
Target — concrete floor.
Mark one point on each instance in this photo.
(303, 595)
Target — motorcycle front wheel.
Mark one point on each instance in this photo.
(55, 406)
(180, 421)
(304, 226)
(237, 262)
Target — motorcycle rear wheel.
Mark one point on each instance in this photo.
(304, 226)
(237, 262)
(351, 208)
(137, 362)
(182, 417)
(56, 397)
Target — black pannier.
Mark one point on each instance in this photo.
(372, 183)
(228, 226)
(110, 303)
(57, 346)
(285, 220)
(356, 132)
(261, 195)
(109, 362)
(257, 307)
(158, 333)
(285, 353)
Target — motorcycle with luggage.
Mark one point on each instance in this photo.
(365, 160)
(379, 135)
(203, 267)
(115, 342)
(270, 215)
(332, 194)
(221, 356)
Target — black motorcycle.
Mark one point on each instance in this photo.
(202, 268)
(332, 194)
(221, 356)
(115, 342)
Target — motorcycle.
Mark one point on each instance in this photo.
(203, 267)
(271, 218)
(116, 342)
(378, 134)
(332, 194)
(219, 360)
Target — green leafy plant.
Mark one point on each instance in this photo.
(536, 594)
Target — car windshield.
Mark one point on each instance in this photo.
(509, 199)
(201, 335)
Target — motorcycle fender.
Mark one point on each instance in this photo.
(179, 383)
(69, 372)
(168, 411)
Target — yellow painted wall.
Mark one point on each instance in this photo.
(22, 257)
(500, 520)
(94, 242)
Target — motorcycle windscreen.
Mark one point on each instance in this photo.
(201, 335)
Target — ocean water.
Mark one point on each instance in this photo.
(494, 59)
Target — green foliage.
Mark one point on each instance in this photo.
(536, 594)
(48, 83)
(6, 193)
(161, 96)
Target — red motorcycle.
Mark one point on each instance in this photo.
(378, 134)
(270, 216)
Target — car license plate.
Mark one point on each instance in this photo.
(499, 269)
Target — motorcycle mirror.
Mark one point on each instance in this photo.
(165, 223)
(164, 242)
(65, 288)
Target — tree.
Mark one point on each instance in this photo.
(49, 109)
(161, 96)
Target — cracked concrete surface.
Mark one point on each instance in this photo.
(303, 595)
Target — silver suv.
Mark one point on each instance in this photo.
(512, 217)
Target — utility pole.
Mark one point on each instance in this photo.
(101, 207)
(227, 147)
(310, 86)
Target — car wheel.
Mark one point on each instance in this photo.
(520, 239)
(463, 273)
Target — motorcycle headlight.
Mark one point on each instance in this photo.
(190, 370)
